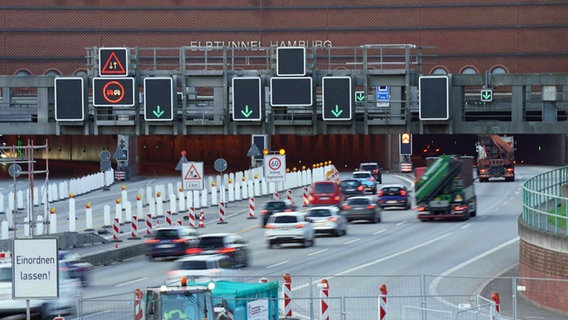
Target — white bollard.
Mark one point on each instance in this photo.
(106, 216)
(204, 199)
(118, 211)
(88, 217)
(152, 207)
(2, 210)
(181, 198)
(139, 206)
(159, 205)
(26, 226)
(53, 222)
(5, 230)
(149, 196)
(189, 198)
(238, 192)
(196, 200)
(128, 211)
(71, 216)
(39, 225)
(124, 195)
(214, 200)
(173, 203)
(230, 192)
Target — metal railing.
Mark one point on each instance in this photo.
(545, 205)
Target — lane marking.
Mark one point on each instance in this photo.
(401, 223)
(317, 252)
(277, 264)
(352, 241)
(467, 225)
(383, 259)
(380, 231)
(131, 281)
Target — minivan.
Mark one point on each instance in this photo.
(325, 193)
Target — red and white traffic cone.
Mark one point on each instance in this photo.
(324, 294)
(222, 213)
(148, 225)
(251, 209)
(134, 228)
(287, 290)
(192, 217)
(383, 302)
(306, 197)
(201, 218)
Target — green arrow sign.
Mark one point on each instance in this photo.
(360, 96)
(486, 95)
(158, 112)
(337, 112)
(246, 112)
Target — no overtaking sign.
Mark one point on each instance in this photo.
(275, 167)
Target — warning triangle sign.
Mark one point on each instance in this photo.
(113, 65)
(192, 174)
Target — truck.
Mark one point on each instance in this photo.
(495, 157)
(446, 189)
(220, 300)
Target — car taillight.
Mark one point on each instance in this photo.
(180, 240)
(483, 170)
(371, 179)
(299, 225)
(263, 211)
(269, 226)
(402, 192)
(288, 210)
(346, 207)
(371, 206)
(226, 250)
(381, 193)
(193, 251)
(151, 241)
(460, 207)
(421, 208)
(333, 219)
(510, 169)
(337, 198)
(311, 198)
(375, 170)
(360, 188)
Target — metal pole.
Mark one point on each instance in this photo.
(14, 208)
(514, 291)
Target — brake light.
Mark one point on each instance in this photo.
(179, 240)
(402, 192)
(510, 169)
(151, 241)
(375, 170)
(263, 211)
(346, 207)
(421, 209)
(269, 226)
(360, 188)
(460, 208)
(371, 179)
(193, 251)
(381, 192)
(299, 225)
(333, 219)
(312, 198)
(483, 170)
(371, 206)
(226, 250)
(288, 210)
(337, 198)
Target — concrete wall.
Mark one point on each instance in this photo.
(543, 267)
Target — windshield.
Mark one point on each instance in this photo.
(275, 206)
(368, 167)
(211, 242)
(324, 188)
(361, 175)
(190, 305)
(320, 213)
(350, 183)
(359, 201)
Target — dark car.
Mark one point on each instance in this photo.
(362, 208)
(394, 195)
(351, 187)
(229, 244)
(273, 206)
(171, 242)
(76, 267)
(374, 168)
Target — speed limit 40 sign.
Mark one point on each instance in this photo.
(275, 167)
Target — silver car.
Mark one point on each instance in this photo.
(289, 227)
(327, 220)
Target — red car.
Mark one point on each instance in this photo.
(325, 193)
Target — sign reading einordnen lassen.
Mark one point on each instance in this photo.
(275, 167)
(35, 265)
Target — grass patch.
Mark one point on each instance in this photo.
(561, 222)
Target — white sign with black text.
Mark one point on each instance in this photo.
(275, 167)
(35, 265)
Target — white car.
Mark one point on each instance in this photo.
(289, 227)
(69, 291)
(327, 220)
(203, 268)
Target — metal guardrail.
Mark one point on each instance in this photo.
(545, 201)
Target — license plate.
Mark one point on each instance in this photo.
(165, 246)
(391, 201)
(324, 198)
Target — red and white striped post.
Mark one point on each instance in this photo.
(134, 228)
(289, 194)
(192, 217)
(251, 209)
(383, 302)
(116, 229)
(497, 300)
(324, 294)
(306, 197)
(179, 222)
(287, 290)
(148, 225)
(201, 218)
(169, 218)
(138, 310)
(275, 196)
(221, 213)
